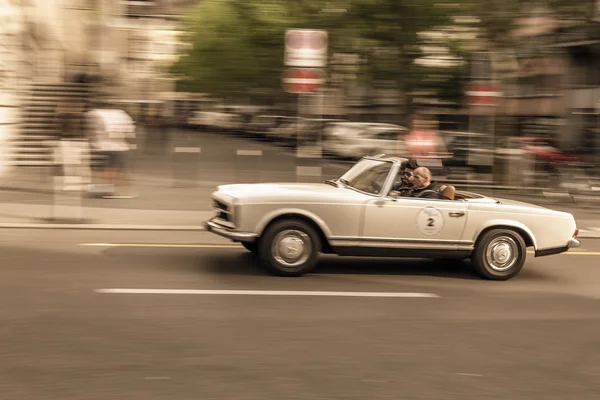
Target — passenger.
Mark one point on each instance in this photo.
(423, 186)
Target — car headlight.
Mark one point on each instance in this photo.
(222, 210)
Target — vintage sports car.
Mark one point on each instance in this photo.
(360, 214)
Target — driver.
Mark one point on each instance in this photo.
(406, 181)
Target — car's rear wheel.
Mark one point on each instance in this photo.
(289, 248)
(251, 246)
(499, 254)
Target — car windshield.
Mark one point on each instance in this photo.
(367, 175)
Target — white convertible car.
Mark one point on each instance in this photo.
(288, 224)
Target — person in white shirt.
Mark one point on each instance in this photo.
(113, 129)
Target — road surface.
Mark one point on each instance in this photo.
(204, 322)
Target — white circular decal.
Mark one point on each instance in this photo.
(430, 221)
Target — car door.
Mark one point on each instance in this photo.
(406, 222)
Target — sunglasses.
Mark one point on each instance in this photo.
(409, 174)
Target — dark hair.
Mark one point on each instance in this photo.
(411, 164)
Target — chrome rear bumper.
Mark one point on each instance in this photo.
(573, 242)
(238, 236)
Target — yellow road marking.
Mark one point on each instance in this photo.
(576, 253)
(196, 246)
(582, 253)
(238, 246)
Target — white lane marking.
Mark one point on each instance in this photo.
(487, 93)
(195, 246)
(308, 171)
(249, 153)
(468, 374)
(305, 81)
(265, 293)
(187, 150)
(309, 153)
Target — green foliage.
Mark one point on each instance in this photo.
(239, 44)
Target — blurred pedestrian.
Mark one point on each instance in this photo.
(113, 131)
(72, 151)
(164, 122)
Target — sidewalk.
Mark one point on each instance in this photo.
(47, 216)
(39, 180)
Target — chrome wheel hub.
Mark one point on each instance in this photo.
(291, 248)
(502, 253)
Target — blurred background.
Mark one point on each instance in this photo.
(118, 119)
(494, 95)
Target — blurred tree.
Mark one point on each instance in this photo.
(238, 45)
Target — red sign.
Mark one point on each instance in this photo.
(483, 94)
(302, 80)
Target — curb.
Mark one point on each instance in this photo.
(26, 189)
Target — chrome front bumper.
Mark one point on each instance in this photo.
(573, 243)
(229, 233)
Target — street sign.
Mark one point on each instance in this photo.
(302, 80)
(483, 94)
(306, 48)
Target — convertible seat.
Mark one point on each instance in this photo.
(448, 191)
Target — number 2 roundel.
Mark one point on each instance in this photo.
(430, 221)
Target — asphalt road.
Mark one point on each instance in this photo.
(534, 337)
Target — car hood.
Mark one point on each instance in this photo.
(286, 191)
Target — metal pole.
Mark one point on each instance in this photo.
(298, 113)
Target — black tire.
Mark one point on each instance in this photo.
(491, 250)
(301, 236)
(251, 246)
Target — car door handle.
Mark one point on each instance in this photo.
(457, 214)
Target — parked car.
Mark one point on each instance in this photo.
(304, 131)
(469, 150)
(217, 121)
(288, 225)
(264, 126)
(352, 140)
(279, 132)
(542, 150)
(552, 167)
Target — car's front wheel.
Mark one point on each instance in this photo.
(289, 248)
(499, 254)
